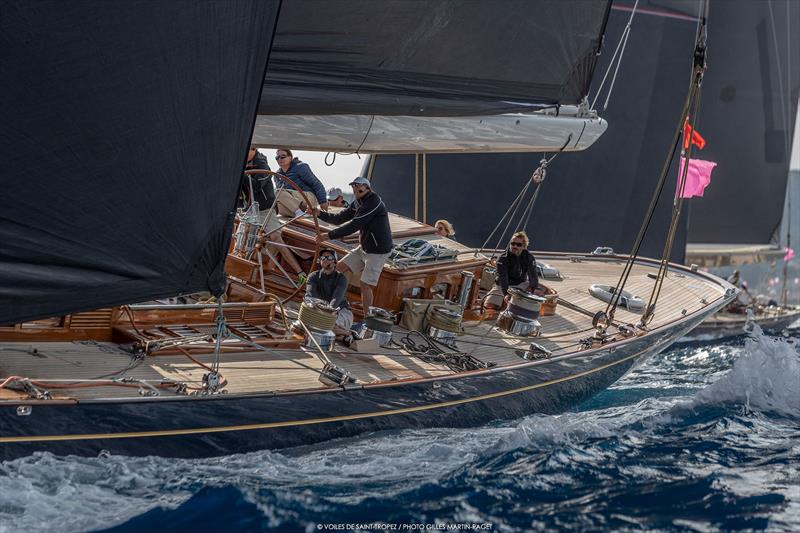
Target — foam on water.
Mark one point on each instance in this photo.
(708, 427)
(765, 377)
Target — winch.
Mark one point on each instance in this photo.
(379, 324)
(524, 304)
(518, 325)
(444, 325)
(323, 338)
(319, 319)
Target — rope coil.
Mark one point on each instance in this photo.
(317, 317)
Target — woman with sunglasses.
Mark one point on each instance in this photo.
(289, 201)
(515, 268)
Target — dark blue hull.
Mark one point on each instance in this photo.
(224, 424)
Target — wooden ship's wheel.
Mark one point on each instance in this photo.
(263, 241)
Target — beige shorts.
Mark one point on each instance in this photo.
(290, 200)
(367, 266)
(344, 319)
(495, 296)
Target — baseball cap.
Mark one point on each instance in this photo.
(334, 193)
(361, 181)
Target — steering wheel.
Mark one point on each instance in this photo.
(262, 238)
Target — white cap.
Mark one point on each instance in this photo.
(334, 193)
(361, 181)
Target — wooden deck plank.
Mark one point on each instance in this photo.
(261, 371)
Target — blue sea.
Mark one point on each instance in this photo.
(702, 437)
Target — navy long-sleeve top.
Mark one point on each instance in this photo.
(514, 269)
(329, 287)
(301, 174)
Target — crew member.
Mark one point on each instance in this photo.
(259, 188)
(330, 285)
(336, 198)
(444, 228)
(515, 268)
(367, 215)
(290, 201)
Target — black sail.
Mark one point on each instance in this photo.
(123, 133)
(747, 117)
(592, 198)
(431, 57)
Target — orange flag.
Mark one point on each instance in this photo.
(691, 135)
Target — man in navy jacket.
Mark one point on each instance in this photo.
(367, 215)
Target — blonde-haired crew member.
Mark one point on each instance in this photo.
(444, 228)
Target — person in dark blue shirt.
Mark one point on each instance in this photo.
(259, 188)
(290, 201)
(367, 215)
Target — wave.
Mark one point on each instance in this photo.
(669, 424)
(765, 377)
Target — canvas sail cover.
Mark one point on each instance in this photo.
(747, 117)
(593, 198)
(123, 134)
(431, 57)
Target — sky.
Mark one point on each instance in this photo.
(342, 172)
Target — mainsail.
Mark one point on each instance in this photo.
(593, 198)
(124, 128)
(431, 58)
(438, 75)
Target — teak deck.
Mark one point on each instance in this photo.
(281, 370)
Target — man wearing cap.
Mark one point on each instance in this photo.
(367, 215)
(336, 198)
(330, 285)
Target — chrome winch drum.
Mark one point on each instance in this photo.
(325, 339)
(524, 304)
(518, 325)
(447, 337)
(379, 324)
(444, 325)
(383, 338)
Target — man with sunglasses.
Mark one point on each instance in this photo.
(330, 285)
(367, 215)
(515, 268)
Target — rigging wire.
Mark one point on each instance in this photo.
(622, 43)
(698, 69)
(537, 177)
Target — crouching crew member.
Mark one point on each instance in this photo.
(330, 285)
(515, 268)
(367, 215)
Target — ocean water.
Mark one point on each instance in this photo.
(703, 437)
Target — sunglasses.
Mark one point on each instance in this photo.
(327, 258)
(279, 157)
(517, 244)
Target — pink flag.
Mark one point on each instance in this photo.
(789, 254)
(697, 178)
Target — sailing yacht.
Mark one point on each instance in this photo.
(134, 200)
